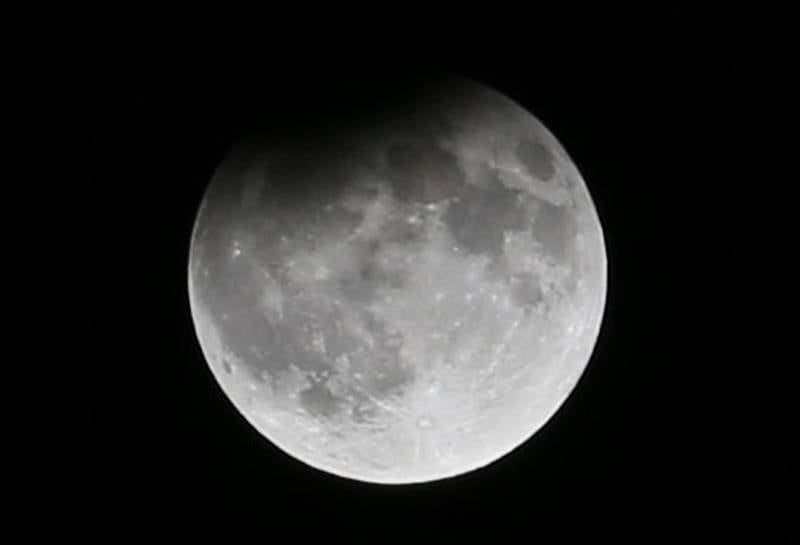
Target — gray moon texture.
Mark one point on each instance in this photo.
(404, 299)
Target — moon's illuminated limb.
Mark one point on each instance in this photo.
(417, 318)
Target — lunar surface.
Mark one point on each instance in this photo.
(404, 298)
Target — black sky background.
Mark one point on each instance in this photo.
(631, 446)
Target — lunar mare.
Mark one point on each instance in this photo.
(405, 300)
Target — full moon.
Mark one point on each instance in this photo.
(404, 296)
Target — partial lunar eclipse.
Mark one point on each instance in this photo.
(403, 299)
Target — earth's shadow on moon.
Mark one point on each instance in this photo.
(287, 179)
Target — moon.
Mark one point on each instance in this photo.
(402, 297)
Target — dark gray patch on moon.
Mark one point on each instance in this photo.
(253, 340)
(554, 228)
(399, 231)
(227, 365)
(525, 291)
(319, 401)
(361, 283)
(422, 171)
(363, 410)
(536, 158)
(231, 301)
(290, 234)
(383, 367)
(480, 216)
(386, 373)
(313, 172)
